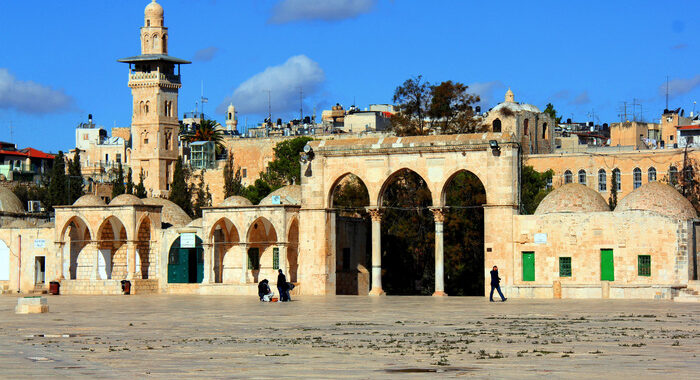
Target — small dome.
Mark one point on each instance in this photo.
(572, 197)
(235, 200)
(195, 223)
(171, 213)
(659, 198)
(89, 200)
(289, 195)
(9, 201)
(126, 200)
(516, 107)
(153, 10)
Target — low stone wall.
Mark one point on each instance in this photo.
(139, 286)
(593, 291)
(105, 287)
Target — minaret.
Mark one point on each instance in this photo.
(510, 97)
(154, 83)
(231, 120)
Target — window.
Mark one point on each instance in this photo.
(617, 179)
(688, 173)
(254, 259)
(565, 267)
(637, 177)
(582, 177)
(568, 176)
(85, 136)
(602, 180)
(544, 130)
(106, 158)
(673, 175)
(644, 265)
(497, 125)
(652, 174)
(119, 157)
(275, 258)
(549, 183)
(526, 124)
(148, 22)
(244, 173)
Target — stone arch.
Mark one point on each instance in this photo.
(449, 180)
(111, 249)
(224, 236)
(390, 180)
(262, 239)
(526, 127)
(143, 247)
(77, 235)
(293, 250)
(338, 181)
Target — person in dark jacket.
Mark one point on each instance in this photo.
(495, 284)
(264, 289)
(283, 287)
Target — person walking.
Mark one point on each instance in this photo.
(283, 287)
(495, 284)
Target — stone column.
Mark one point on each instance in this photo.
(439, 215)
(130, 260)
(62, 258)
(376, 215)
(283, 259)
(243, 248)
(208, 275)
(95, 247)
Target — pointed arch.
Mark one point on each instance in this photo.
(143, 246)
(392, 178)
(111, 249)
(262, 241)
(293, 249)
(340, 181)
(451, 178)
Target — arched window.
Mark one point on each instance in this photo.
(145, 138)
(497, 126)
(146, 107)
(673, 175)
(229, 116)
(544, 130)
(582, 177)
(618, 179)
(165, 43)
(155, 40)
(602, 180)
(652, 174)
(637, 178)
(526, 124)
(168, 136)
(568, 176)
(148, 22)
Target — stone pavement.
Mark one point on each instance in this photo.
(182, 336)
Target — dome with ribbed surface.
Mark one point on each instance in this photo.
(9, 201)
(89, 200)
(153, 10)
(235, 200)
(170, 213)
(659, 198)
(126, 200)
(288, 195)
(572, 197)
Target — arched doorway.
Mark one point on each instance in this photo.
(186, 260)
(143, 249)
(76, 236)
(463, 197)
(293, 251)
(350, 198)
(224, 236)
(111, 249)
(263, 252)
(4, 261)
(408, 235)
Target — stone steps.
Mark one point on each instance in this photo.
(685, 297)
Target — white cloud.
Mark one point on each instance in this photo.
(283, 82)
(206, 54)
(31, 97)
(489, 92)
(327, 10)
(681, 86)
(581, 99)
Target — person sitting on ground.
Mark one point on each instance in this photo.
(264, 291)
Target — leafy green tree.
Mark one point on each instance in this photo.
(140, 190)
(202, 196)
(76, 178)
(179, 192)
(129, 182)
(57, 189)
(412, 100)
(533, 188)
(285, 169)
(549, 110)
(259, 190)
(451, 109)
(118, 183)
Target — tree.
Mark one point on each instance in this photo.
(57, 183)
(203, 196)
(140, 190)
(534, 188)
(118, 183)
(179, 192)
(259, 190)
(549, 110)
(686, 181)
(451, 109)
(285, 169)
(129, 182)
(232, 182)
(76, 178)
(207, 130)
(612, 200)
(412, 100)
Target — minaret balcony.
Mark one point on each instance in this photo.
(140, 76)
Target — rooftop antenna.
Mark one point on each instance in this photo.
(203, 99)
(301, 104)
(12, 134)
(269, 107)
(666, 91)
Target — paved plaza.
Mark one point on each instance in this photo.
(172, 336)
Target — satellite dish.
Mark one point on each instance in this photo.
(307, 148)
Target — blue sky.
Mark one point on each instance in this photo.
(58, 58)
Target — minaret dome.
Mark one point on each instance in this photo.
(153, 14)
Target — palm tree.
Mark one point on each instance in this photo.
(207, 130)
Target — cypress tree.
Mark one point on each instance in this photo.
(118, 184)
(129, 182)
(75, 178)
(228, 177)
(179, 193)
(140, 188)
(57, 194)
(612, 200)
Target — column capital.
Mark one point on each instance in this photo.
(438, 214)
(375, 213)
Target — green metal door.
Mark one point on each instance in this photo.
(186, 265)
(607, 270)
(177, 264)
(528, 266)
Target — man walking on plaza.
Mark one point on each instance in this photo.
(495, 284)
(283, 287)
